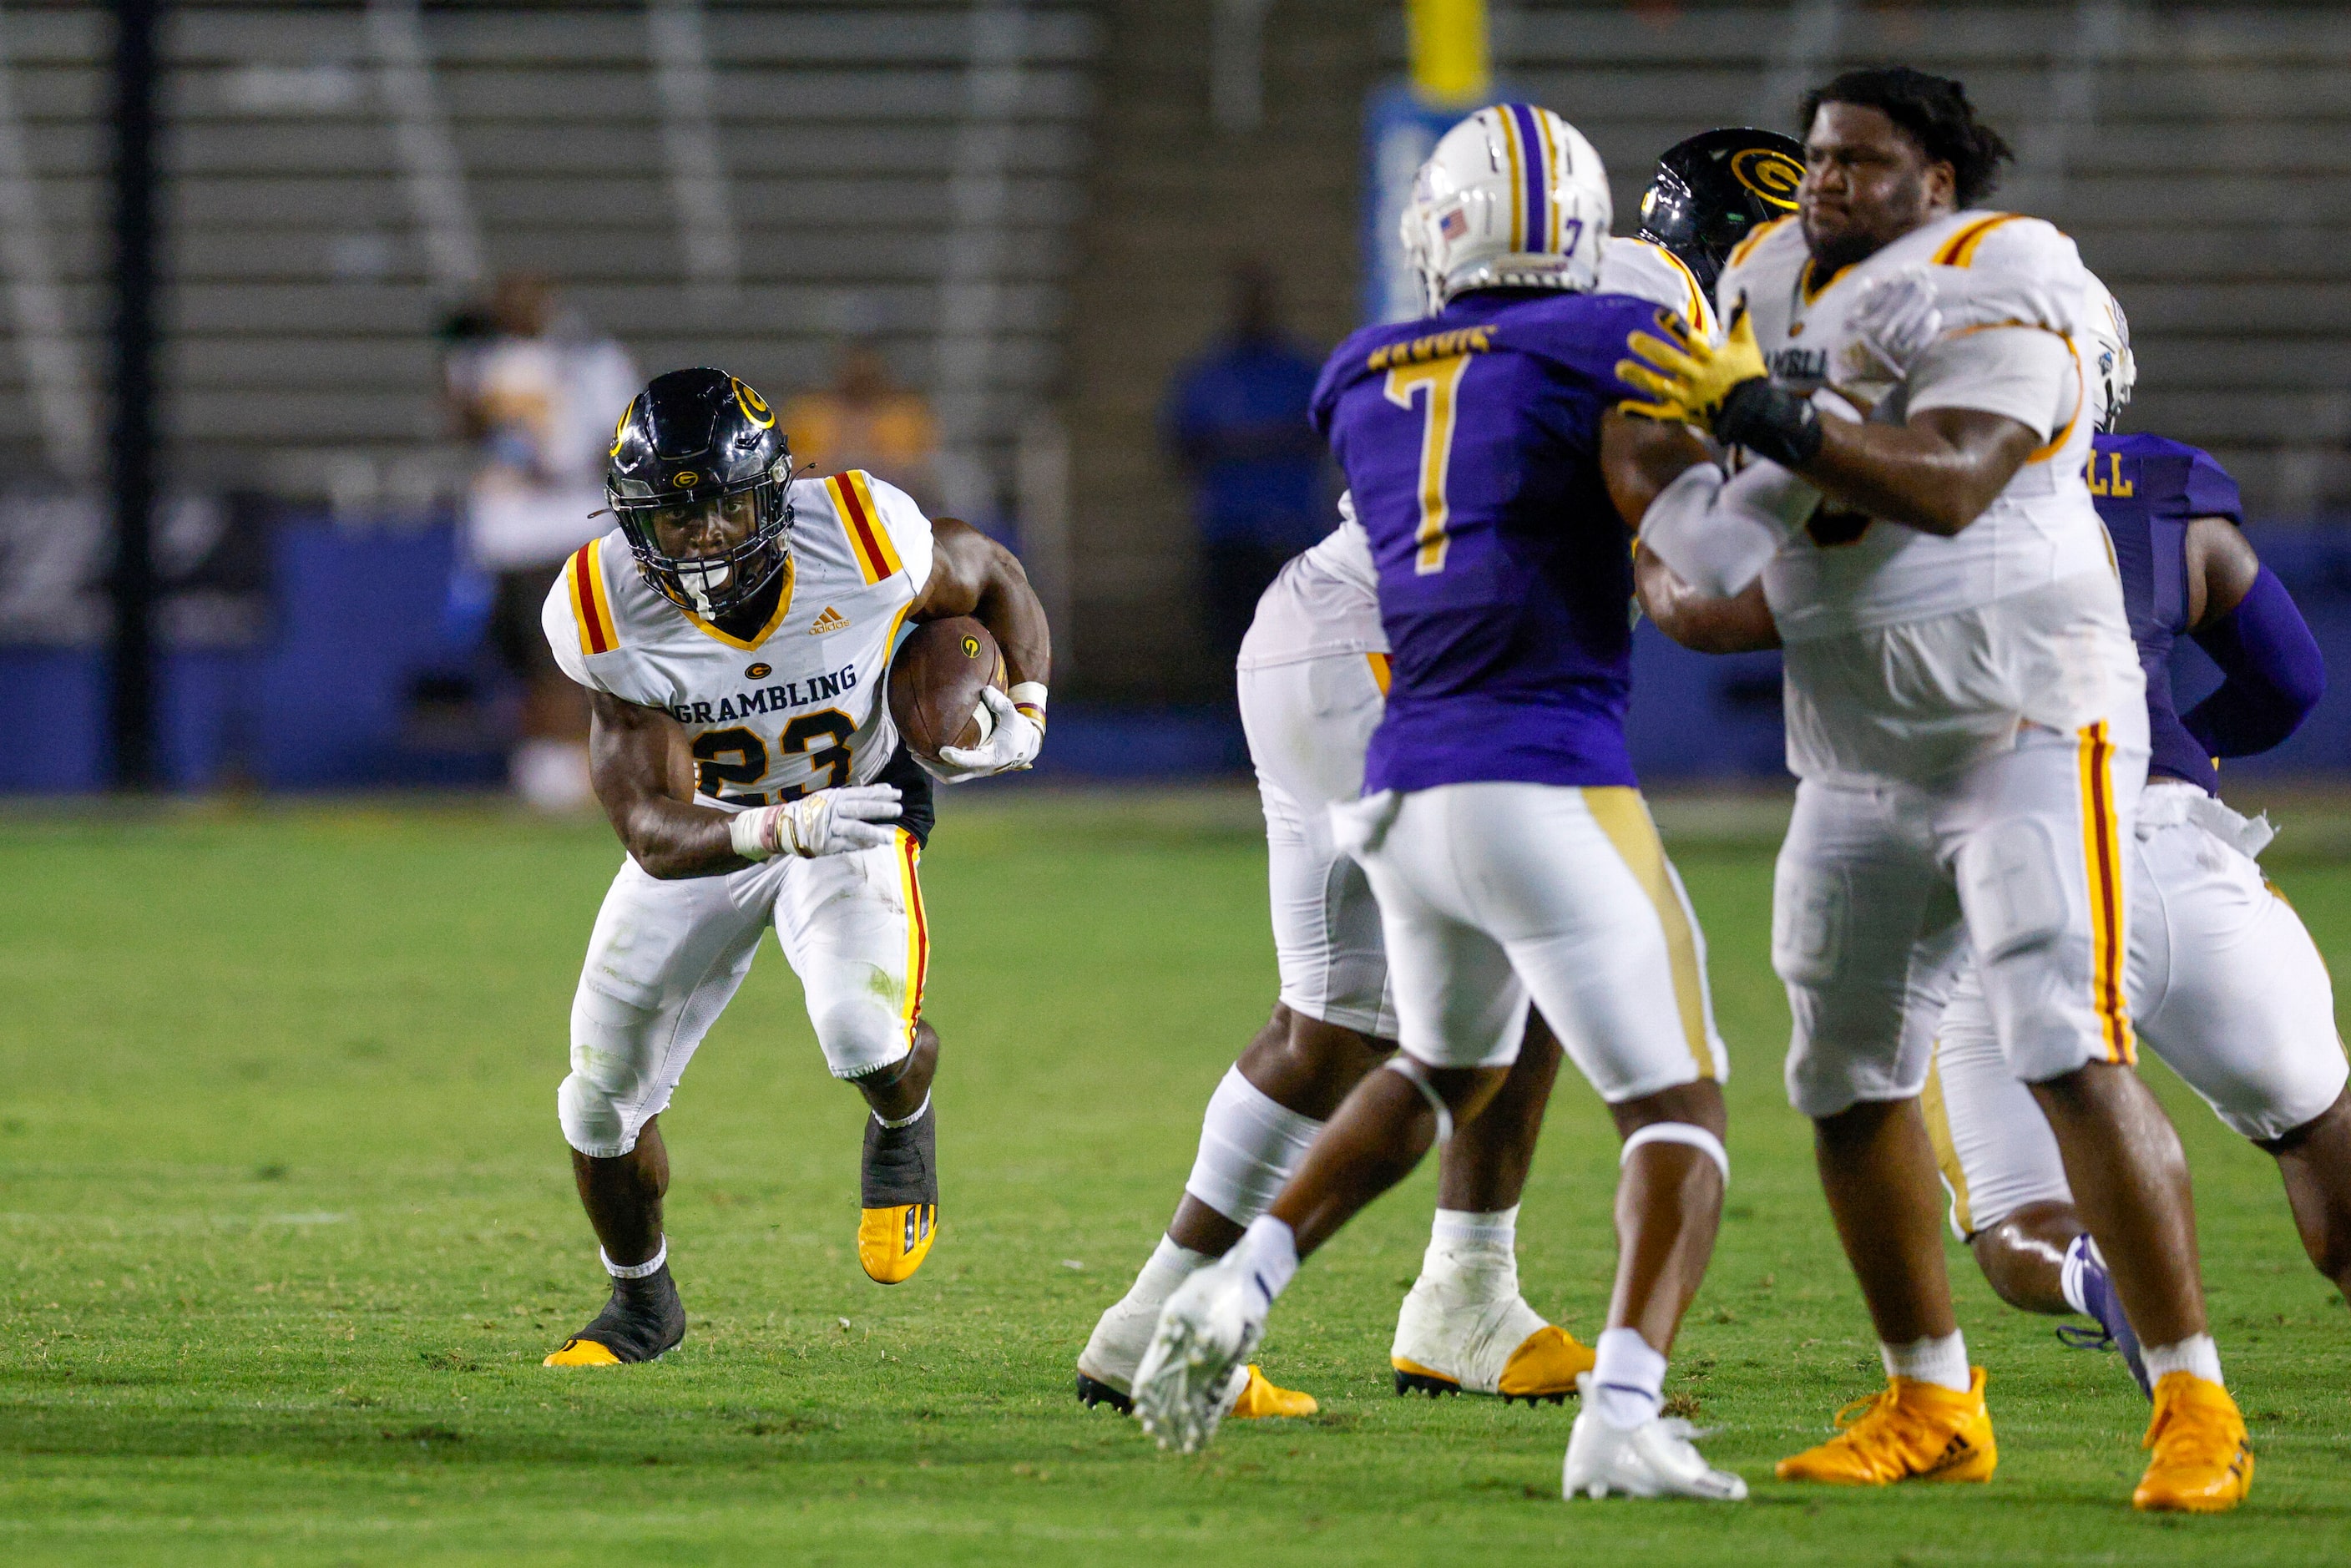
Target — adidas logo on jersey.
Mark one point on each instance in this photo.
(831, 620)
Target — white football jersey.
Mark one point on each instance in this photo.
(1908, 653)
(1648, 270)
(1844, 571)
(1326, 601)
(793, 708)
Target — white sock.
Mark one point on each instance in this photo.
(2196, 1353)
(649, 1267)
(1629, 1378)
(919, 1112)
(1168, 1267)
(1250, 1143)
(2079, 1254)
(1476, 1227)
(1267, 1251)
(1941, 1362)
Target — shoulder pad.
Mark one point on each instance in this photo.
(1649, 271)
(2001, 268)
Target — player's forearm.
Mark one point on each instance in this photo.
(1914, 474)
(672, 841)
(1705, 623)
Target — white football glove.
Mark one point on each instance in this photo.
(1895, 317)
(1011, 742)
(829, 822)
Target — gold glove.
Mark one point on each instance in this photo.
(1684, 374)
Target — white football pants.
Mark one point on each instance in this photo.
(1492, 893)
(1882, 888)
(1309, 723)
(667, 957)
(2225, 985)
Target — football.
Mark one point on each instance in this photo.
(935, 679)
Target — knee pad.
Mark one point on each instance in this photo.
(600, 1103)
(859, 1031)
(2013, 892)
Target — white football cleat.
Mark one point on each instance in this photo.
(1187, 1378)
(1653, 1459)
(1464, 1328)
(1106, 1366)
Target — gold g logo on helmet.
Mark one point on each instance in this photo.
(755, 407)
(1771, 174)
(687, 480)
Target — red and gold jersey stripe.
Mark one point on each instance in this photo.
(918, 928)
(2102, 856)
(590, 607)
(861, 519)
(1960, 250)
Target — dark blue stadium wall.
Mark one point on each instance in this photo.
(363, 617)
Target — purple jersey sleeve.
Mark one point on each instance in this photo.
(2208, 491)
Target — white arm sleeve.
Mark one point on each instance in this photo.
(2026, 372)
(1719, 534)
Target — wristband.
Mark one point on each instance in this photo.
(1770, 423)
(744, 829)
(1028, 697)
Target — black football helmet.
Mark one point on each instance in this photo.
(1717, 188)
(697, 437)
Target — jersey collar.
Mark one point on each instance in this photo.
(783, 608)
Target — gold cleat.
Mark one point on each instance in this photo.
(898, 1192)
(1545, 1366)
(583, 1353)
(892, 1242)
(1260, 1398)
(2203, 1460)
(1908, 1431)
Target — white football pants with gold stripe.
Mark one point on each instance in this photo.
(1883, 888)
(1491, 893)
(667, 957)
(2225, 985)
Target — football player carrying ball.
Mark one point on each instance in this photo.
(733, 634)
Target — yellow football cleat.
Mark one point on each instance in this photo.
(1545, 1366)
(1908, 1431)
(892, 1242)
(1260, 1398)
(583, 1353)
(2203, 1460)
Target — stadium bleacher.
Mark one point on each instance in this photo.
(347, 174)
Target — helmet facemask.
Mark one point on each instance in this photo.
(713, 584)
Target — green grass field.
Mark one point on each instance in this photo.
(288, 1228)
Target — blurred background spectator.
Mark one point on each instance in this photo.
(538, 394)
(1237, 421)
(864, 420)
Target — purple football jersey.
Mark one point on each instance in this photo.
(2147, 489)
(1471, 441)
